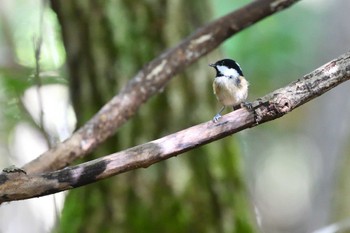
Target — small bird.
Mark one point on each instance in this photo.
(230, 86)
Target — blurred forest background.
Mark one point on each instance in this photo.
(289, 175)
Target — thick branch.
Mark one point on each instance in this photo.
(149, 81)
(16, 185)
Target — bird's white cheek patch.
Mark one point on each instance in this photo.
(228, 72)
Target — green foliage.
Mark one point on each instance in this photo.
(18, 68)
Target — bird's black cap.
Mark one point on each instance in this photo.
(229, 63)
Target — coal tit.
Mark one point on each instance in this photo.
(230, 86)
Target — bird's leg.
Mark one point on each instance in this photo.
(218, 115)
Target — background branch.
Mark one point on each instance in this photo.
(149, 81)
(17, 185)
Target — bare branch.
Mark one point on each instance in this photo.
(149, 81)
(15, 184)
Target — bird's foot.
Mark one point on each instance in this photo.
(247, 105)
(216, 118)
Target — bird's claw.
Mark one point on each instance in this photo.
(216, 118)
(247, 105)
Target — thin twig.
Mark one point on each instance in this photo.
(37, 44)
(37, 51)
(18, 185)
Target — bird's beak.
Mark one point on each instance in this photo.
(212, 65)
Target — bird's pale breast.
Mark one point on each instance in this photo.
(230, 91)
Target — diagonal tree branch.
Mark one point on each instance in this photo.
(149, 81)
(16, 185)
